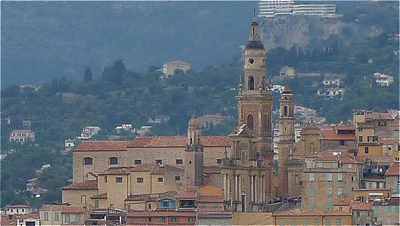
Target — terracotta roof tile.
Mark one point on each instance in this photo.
(105, 145)
(87, 185)
(62, 208)
(209, 190)
(178, 141)
(394, 170)
(380, 115)
(329, 133)
(345, 157)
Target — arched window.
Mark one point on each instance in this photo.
(113, 161)
(250, 122)
(285, 110)
(87, 161)
(251, 83)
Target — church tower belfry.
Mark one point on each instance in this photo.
(255, 100)
(193, 156)
(286, 137)
(247, 172)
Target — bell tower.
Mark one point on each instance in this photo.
(286, 137)
(193, 156)
(247, 172)
(255, 100)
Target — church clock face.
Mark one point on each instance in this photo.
(251, 60)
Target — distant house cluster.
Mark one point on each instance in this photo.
(331, 87)
(22, 136)
(88, 132)
(383, 80)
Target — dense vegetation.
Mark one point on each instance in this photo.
(118, 93)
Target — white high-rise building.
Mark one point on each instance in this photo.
(272, 8)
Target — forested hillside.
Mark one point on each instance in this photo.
(105, 80)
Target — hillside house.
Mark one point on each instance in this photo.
(88, 132)
(22, 136)
(383, 80)
(172, 67)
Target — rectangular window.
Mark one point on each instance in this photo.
(179, 162)
(340, 192)
(366, 150)
(56, 216)
(177, 178)
(138, 161)
(191, 219)
(113, 161)
(163, 220)
(219, 161)
(139, 180)
(160, 179)
(88, 161)
(45, 216)
(340, 177)
(159, 162)
(311, 177)
(96, 203)
(172, 219)
(105, 179)
(118, 180)
(328, 177)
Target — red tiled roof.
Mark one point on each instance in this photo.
(380, 115)
(209, 190)
(394, 170)
(64, 208)
(356, 205)
(329, 133)
(104, 145)
(344, 157)
(178, 141)
(86, 185)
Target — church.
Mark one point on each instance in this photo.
(237, 169)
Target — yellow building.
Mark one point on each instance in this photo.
(377, 136)
(294, 217)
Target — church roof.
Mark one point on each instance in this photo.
(178, 141)
(151, 142)
(104, 145)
